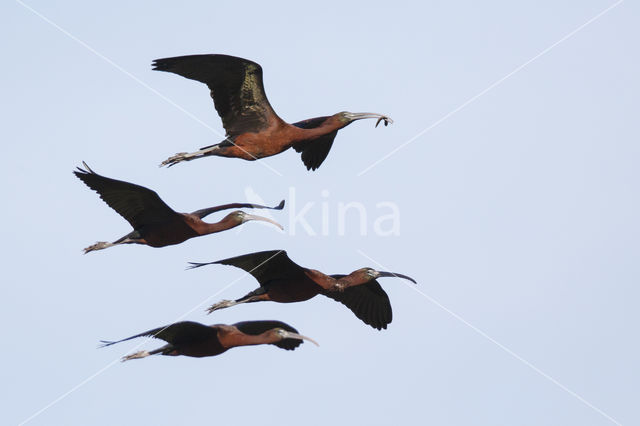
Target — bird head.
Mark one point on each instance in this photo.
(282, 334)
(347, 117)
(239, 217)
(368, 274)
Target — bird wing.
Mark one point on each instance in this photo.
(369, 302)
(236, 88)
(178, 333)
(137, 204)
(254, 328)
(311, 123)
(316, 150)
(205, 212)
(267, 265)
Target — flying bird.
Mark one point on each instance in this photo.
(253, 129)
(282, 280)
(198, 340)
(154, 223)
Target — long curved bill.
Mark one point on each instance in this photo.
(362, 115)
(393, 274)
(290, 335)
(248, 217)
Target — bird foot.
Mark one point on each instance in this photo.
(97, 246)
(221, 305)
(181, 156)
(136, 355)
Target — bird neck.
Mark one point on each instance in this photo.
(223, 225)
(353, 279)
(265, 338)
(323, 280)
(331, 124)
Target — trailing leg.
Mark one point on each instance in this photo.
(184, 156)
(255, 296)
(165, 350)
(130, 238)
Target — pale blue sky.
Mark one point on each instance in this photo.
(519, 213)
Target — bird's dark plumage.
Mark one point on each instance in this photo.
(255, 328)
(205, 212)
(267, 264)
(236, 88)
(314, 151)
(155, 224)
(198, 340)
(253, 129)
(138, 205)
(184, 332)
(369, 302)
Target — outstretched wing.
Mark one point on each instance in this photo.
(205, 212)
(179, 333)
(316, 150)
(236, 88)
(137, 204)
(265, 266)
(369, 302)
(258, 327)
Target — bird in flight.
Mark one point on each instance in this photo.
(253, 129)
(155, 223)
(198, 340)
(283, 280)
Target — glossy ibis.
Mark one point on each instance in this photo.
(198, 340)
(253, 129)
(155, 223)
(282, 280)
